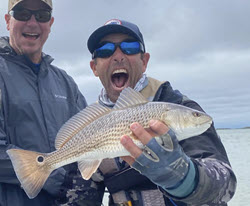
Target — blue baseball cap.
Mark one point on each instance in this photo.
(114, 26)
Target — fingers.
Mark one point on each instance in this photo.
(129, 145)
(144, 135)
(140, 133)
(158, 127)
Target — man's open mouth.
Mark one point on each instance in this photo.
(31, 35)
(119, 78)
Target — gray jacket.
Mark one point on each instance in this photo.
(32, 109)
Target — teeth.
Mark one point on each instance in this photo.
(31, 34)
(120, 71)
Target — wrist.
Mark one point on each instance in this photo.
(186, 186)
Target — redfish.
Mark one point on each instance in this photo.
(94, 134)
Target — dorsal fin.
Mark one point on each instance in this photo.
(78, 122)
(129, 97)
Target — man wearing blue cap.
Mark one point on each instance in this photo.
(195, 171)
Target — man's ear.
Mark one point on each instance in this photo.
(51, 21)
(7, 20)
(93, 67)
(145, 59)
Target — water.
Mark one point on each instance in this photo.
(237, 145)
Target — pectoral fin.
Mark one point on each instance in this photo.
(87, 168)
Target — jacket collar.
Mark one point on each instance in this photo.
(9, 53)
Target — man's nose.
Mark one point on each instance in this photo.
(32, 20)
(118, 55)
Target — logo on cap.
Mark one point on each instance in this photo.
(114, 21)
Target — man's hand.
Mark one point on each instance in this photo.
(161, 159)
(157, 128)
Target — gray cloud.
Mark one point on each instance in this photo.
(201, 47)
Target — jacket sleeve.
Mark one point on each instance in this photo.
(216, 179)
(80, 101)
(7, 174)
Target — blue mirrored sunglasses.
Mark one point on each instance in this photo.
(109, 48)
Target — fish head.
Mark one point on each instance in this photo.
(186, 122)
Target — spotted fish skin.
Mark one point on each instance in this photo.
(94, 134)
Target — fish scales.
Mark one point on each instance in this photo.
(116, 124)
(94, 134)
(96, 140)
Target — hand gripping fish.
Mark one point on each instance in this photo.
(94, 134)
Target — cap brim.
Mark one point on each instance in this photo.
(98, 34)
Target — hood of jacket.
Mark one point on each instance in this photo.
(5, 48)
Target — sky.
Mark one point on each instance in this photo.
(201, 47)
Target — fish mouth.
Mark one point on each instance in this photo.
(119, 79)
(30, 36)
(209, 120)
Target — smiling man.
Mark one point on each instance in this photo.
(194, 171)
(29, 31)
(37, 98)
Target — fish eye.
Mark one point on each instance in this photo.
(196, 114)
(40, 159)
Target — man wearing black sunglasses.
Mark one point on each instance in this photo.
(36, 99)
(194, 171)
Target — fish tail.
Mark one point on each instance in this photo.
(31, 169)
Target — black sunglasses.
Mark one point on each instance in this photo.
(108, 49)
(41, 15)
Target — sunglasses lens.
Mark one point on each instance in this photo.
(22, 15)
(43, 16)
(109, 48)
(130, 47)
(105, 51)
(25, 15)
